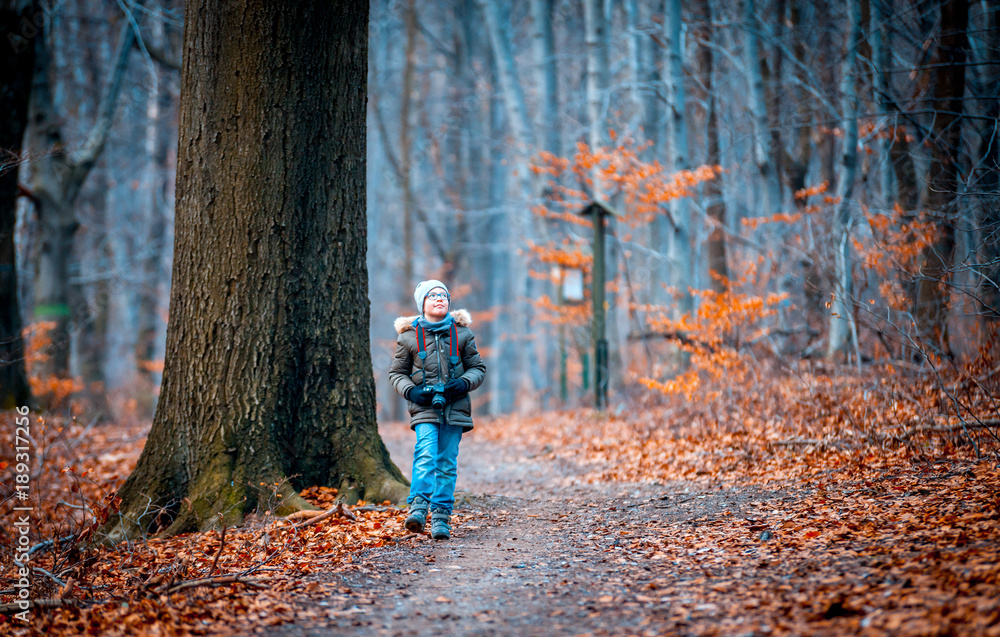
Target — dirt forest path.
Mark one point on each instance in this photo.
(533, 552)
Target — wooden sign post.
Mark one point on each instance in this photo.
(598, 211)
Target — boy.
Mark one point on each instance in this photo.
(435, 367)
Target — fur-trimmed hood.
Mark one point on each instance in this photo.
(404, 323)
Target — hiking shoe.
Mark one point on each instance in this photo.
(417, 516)
(440, 525)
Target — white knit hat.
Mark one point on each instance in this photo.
(423, 288)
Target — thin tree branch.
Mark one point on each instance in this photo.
(222, 544)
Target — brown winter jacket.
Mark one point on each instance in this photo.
(408, 370)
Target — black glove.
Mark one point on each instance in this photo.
(418, 396)
(456, 388)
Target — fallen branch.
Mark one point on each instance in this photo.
(49, 544)
(303, 515)
(336, 510)
(36, 603)
(212, 581)
(49, 575)
(792, 443)
(962, 426)
(955, 386)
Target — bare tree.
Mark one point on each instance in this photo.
(712, 190)
(931, 308)
(762, 140)
(55, 182)
(680, 245)
(842, 326)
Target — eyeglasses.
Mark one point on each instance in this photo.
(438, 295)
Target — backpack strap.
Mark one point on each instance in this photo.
(422, 342)
(454, 345)
(421, 339)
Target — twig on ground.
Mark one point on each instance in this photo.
(222, 544)
(42, 571)
(302, 515)
(37, 603)
(212, 581)
(962, 426)
(988, 375)
(48, 544)
(336, 510)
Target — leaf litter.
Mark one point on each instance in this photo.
(832, 504)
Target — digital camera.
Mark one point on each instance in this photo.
(438, 401)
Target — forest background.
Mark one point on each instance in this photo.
(842, 187)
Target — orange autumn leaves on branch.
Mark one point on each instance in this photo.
(717, 336)
(895, 247)
(569, 256)
(54, 389)
(643, 186)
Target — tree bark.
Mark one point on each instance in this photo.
(931, 311)
(268, 383)
(842, 325)
(17, 61)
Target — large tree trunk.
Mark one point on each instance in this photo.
(931, 311)
(842, 325)
(17, 61)
(268, 377)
